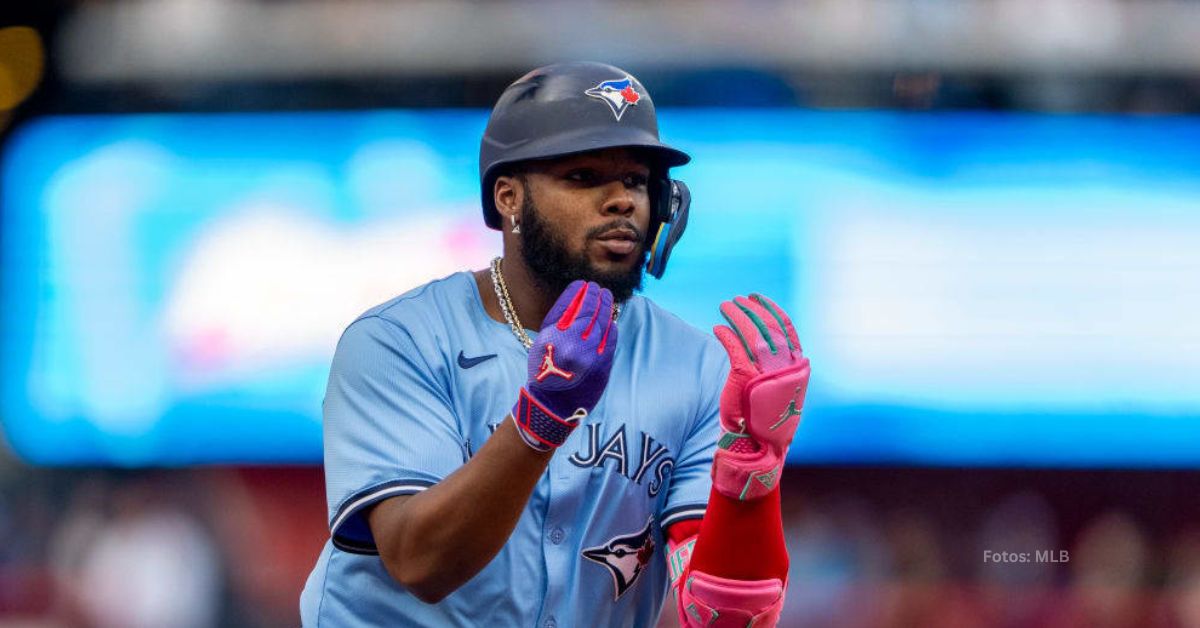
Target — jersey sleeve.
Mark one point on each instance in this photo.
(389, 427)
(691, 479)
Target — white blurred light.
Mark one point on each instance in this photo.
(267, 286)
(1089, 304)
(221, 39)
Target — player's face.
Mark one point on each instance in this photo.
(585, 217)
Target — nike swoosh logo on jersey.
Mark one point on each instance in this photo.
(466, 363)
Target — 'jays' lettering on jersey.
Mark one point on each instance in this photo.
(416, 387)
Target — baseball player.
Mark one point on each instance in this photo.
(534, 445)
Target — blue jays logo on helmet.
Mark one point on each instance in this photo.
(625, 557)
(620, 95)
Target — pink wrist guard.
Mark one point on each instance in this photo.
(713, 602)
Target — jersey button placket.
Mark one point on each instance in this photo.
(563, 501)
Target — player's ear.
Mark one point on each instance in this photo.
(508, 193)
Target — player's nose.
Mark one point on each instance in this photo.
(619, 199)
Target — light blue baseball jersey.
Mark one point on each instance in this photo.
(416, 387)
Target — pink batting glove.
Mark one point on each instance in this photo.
(762, 398)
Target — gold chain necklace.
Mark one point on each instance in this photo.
(510, 313)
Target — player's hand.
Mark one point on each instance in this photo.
(762, 398)
(569, 365)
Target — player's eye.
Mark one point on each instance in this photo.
(581, 175)
(636, 180)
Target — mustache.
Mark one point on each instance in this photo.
(616, 224)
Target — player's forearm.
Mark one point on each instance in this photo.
(437, 540)
(760, 411)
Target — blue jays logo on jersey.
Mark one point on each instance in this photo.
(625, 557)
(619, 94)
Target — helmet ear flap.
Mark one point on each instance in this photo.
(660, 195)
(672, 203)
(659, 191)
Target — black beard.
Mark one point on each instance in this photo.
(553, 267)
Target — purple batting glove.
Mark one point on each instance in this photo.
(569, 365)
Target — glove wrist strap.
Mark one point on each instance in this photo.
(745, 476)
(540, 428)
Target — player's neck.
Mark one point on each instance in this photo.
(528, 300)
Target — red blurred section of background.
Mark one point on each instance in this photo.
(195, 547)
(887, 547)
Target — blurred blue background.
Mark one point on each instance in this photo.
(982, 214)
(973, 288)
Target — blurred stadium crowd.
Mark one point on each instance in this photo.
(874, 546)
(187, 548)
(870, 547)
